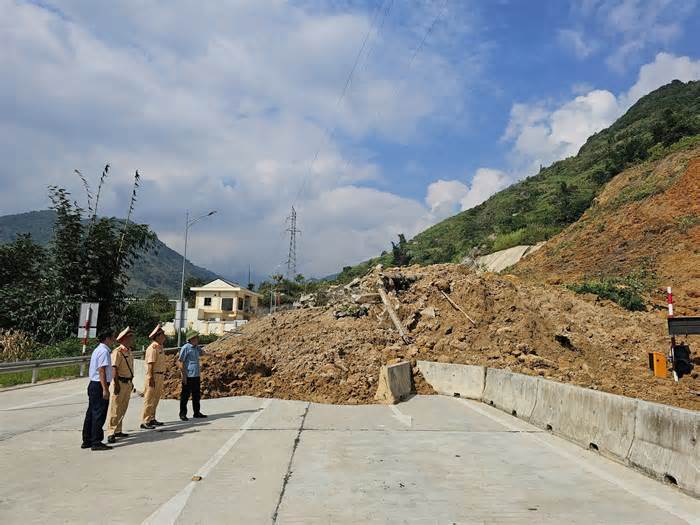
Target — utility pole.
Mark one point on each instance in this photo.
(292, 257)
(188, 224)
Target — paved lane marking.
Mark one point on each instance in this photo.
(403, 418)
(19, 407)
(171, 509)
(644, 495)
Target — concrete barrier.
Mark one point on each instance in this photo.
(466, 380)
(595, 420)
(666, 445)
(512, 393)
(395, 383)
(139, 375)
(660, 440)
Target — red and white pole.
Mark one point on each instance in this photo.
(669, 300)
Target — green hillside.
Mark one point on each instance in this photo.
(159, 270)
(542, 205)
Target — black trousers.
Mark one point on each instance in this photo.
(192, 387)
(95, 415)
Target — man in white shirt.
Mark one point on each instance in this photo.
(98, 393)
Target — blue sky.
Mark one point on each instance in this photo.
(226, 105)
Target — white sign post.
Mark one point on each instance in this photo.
(180, 315)
(87, 326)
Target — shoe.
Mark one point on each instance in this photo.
(147, 426)
(184, 418)
(101, 446)
(121, 435)
(86, 445)
(156, 423)
(199, 416)
(110, 439)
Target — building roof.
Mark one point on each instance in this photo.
(222, 285)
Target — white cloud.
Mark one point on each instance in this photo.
(542, 132)
(486, 182)
(576, 41)
(628, 27)
(222, 105)
(445, 196)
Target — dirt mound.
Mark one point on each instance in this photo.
(646, 219)
(333, 354)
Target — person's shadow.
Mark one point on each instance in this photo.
(176, 430)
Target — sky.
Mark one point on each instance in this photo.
(371, 118)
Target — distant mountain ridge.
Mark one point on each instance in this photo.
(158, 271)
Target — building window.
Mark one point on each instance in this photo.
(227, 304)
(207, 301)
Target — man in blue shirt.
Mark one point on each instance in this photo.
(98, 393)
(188, 361)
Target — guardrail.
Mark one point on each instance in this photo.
(36, 365)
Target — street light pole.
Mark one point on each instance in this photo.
(188, 223)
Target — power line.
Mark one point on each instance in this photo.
(329, 134)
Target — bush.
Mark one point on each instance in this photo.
(15, 345)
(625, 291)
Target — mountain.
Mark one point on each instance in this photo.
(159, 270)
(537, 208)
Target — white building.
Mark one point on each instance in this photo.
(221, 306)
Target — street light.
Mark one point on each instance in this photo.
(188, 222)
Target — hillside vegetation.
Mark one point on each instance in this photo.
(539, 207)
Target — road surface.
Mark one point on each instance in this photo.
(429, 460)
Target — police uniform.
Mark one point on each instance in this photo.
(155, 356)
(123, 361)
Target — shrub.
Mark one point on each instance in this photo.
(625, 291)
(15, 345)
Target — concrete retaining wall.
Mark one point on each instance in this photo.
(448, 379)
(660, 440)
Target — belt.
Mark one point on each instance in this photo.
(125, 379)
(159, 373)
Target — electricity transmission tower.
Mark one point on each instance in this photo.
(292, 257)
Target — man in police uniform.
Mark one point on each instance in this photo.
(122, 384)
(155, 370)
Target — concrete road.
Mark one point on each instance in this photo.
(428, 460)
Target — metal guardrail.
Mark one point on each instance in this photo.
(36, 365)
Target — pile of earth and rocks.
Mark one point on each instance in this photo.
(446, 313)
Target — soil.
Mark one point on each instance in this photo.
(332, 354)
(658, 232)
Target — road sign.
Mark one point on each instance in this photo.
(180, 314)
(87, 325)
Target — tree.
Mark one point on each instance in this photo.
(400, 253)
(192, 282)
(42, 289)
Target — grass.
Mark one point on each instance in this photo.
(21, 378)
(626, 291)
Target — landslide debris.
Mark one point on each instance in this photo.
(316, 355)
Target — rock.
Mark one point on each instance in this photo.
(448, 330)
(459, 345)
(428, 313)
(442, 284)
(366, 298)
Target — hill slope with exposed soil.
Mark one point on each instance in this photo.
(647, 219)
